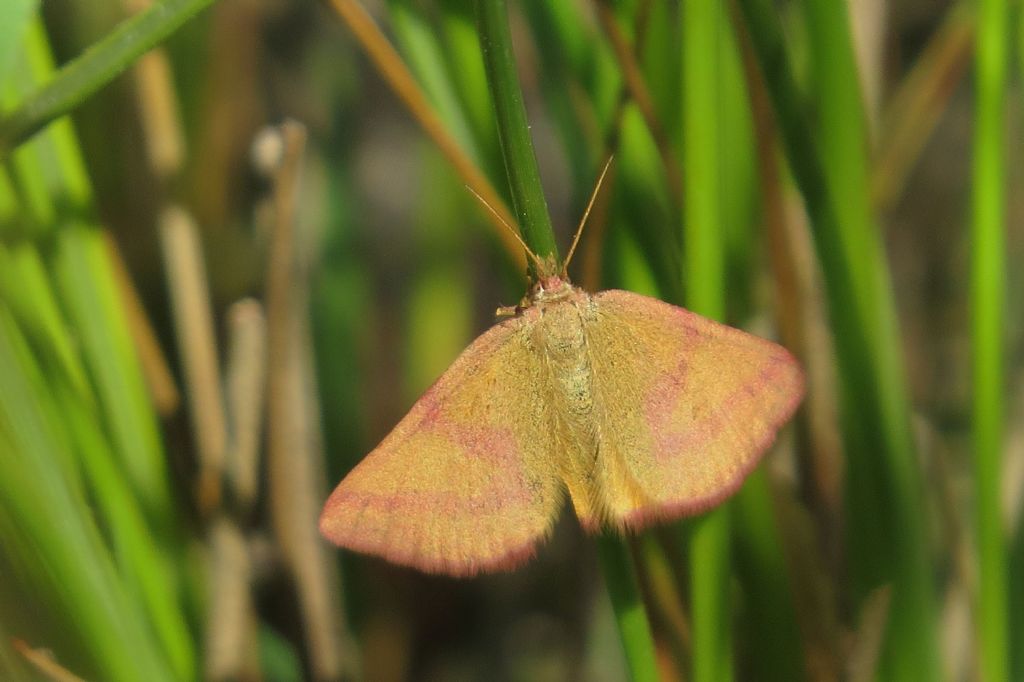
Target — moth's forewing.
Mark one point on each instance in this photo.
(465, 483)
(685, 406)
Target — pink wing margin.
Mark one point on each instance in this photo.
(465, 483)
(699, 404)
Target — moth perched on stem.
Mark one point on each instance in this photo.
(641, 410)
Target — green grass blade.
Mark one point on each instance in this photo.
(742, 217)
(704, 266)
(25, 288)
(770, 631)
(884, 421)
(113, 431)
(643, 207)
(96, 67)
(768, 628)
(888, 534)
(47, 523)
(661, 59)
(1016, 606)
(627, 603)
(988, 297)
(704, 281)
(50, 174)
(84, 279)
(144, 569)
(520, 161)
(417, 38)
(15, 16)
(565, 49)
(465, 65)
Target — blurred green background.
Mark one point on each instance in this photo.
(236, 264)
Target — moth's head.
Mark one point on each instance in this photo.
(549, 288)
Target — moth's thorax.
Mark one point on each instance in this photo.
(557, 309)
(560, 312)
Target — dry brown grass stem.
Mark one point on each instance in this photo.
(155, 370)
(230, 615)
(957, 633)
(197, 346)
(245, 379)
(43, 661)
(394, 71)
(917, 106)
(158, 107)
(294, 454)
(866, 645)
(868, 31)
(165, 146)
(1013, 462)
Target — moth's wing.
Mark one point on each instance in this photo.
(465, 483)
(684, 406)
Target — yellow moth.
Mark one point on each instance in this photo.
(642, 411)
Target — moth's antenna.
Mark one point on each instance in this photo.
(586, 214)
(515, 233)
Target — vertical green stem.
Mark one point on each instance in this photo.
(1016, 551)
(769, 630)
(704, 266)
(709, 580)
(705, 294)
(513, 131)
(987, 300)
(883, 427)
(620, 577)
(887, 526)
(531, 209)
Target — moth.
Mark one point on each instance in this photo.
(642, 411)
